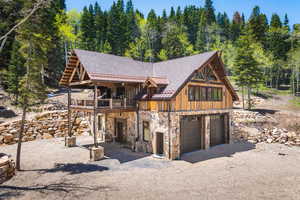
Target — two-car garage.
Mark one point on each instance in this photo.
(194, 130)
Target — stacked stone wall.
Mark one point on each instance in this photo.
(45, 126)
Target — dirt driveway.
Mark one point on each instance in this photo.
(236, 171)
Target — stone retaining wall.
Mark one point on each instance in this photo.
(44, 126)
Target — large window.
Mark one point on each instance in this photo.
(146, 131)
(197, 93)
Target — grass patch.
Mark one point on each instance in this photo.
(295, 101)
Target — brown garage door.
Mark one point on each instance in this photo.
(191, 127)
(217, 130)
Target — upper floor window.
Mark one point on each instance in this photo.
(198, 93)
(146, 131)
(206, 74)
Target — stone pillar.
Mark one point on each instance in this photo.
(207, 132)
(70, 141)
(96, 153)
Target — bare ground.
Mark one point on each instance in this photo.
(235, 171)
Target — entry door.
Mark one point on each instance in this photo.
(120, 134)
(159, 143)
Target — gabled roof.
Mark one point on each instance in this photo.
(172, 73)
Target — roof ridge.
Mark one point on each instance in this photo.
(152, 63)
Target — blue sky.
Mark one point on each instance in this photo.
(291, 7)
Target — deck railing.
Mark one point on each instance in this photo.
(103, 103)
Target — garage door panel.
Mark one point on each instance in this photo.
(217, 132)
(190, 134)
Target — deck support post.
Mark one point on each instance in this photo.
(69, 140)
(95, 116)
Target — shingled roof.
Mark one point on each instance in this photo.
(175, 72)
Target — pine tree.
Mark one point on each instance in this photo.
(202, 34)
(35, 41)
(236, 26)
(246, 71)
(10, 14)
(88, 36)
(117, 26)
(275, 21)
(133, 31)
(286, 22)
(100, 28)
(172, 16)
(175, 42)
(179, 18)
(191, 18)
(15, 72)
(210, 12)
(258, 25)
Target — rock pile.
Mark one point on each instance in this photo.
(254, 101)
(45, 126)
(244, 117)
(7, 168)
(249, 126)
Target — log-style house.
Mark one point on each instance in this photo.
(166, 108)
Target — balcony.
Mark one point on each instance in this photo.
(108, 105)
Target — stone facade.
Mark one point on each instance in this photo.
(169, 125)
(129, 128)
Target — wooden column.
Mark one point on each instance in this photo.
(207, 132)
(69, 112)
(95, 116)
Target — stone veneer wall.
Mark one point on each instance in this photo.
(163, 122)
(131, 126)
(159, 122)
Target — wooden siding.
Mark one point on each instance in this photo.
(181, 101)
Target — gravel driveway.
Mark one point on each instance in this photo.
(236, 171)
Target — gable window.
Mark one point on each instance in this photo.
(198, 93)
(146, 131)
(206, 74)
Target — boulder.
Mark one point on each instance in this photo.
(47, 136)
(8, 138)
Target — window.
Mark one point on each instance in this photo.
(192, 93)
(203, 93)
(206, 74)
(146, 131)
(100, 123)
(197, 93)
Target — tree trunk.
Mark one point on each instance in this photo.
(249, 98)
(243, 97)
(18, 158)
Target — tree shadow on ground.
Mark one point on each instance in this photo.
(7, 191)
(265, 111)
(7, 114)
(225, 150)
(118, 152)
(72, 168)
